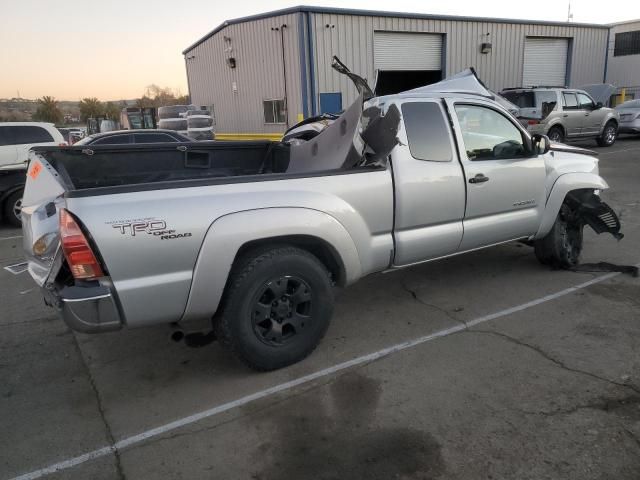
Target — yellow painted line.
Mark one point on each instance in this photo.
(276, 137)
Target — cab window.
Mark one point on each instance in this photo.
(489, 135)
(427, 133)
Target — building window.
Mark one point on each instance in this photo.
(627, 43)
(274, 111)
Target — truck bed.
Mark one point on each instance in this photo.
(100, 167)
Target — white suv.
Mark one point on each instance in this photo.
(16, 138)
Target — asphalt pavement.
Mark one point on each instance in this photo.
(483, 366)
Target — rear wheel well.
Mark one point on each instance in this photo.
(318, 247)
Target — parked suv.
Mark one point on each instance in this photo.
(16, 139)
(564, 114)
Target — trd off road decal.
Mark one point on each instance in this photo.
(147, 226)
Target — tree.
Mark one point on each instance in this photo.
(112, 111)
(48, 110)
(90, 107)
(155, 96)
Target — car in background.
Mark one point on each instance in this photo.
(71, 134)
(16, 139)
(629, 116)
(128, 137)
(564, 114)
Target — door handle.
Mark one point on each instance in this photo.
(479, 178)
(565, 115)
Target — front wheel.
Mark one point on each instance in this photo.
(608, 135)
(562, 246)
(13, 209)
(276, 308)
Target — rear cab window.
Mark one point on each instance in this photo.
(427, 131)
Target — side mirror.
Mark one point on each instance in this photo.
(598, 106)
(541, 144)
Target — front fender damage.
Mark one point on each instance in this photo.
(589, 209)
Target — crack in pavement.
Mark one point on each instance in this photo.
(557, 362)
(435, 307)
(109, 433)
(607, 405)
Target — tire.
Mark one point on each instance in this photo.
(173, 124)
(267, 289)
(199, 122)
(608, 135)
(12, 207)
(198, 112)
(562, 246)
(201, 135)
(556, 134)
(172, 111)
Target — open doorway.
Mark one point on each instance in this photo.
(396, 81)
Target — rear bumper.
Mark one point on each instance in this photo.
(85, 309)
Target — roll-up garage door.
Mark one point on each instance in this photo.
(407, 51)
(545, 61)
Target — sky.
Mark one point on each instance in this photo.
(113, 49)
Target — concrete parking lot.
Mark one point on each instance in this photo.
(499, 368)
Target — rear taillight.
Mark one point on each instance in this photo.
(533, 122)
(81, 259)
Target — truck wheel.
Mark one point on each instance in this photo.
(276, 308)
(556, 134)
(12, 209)
(608, 135)
(562, 246)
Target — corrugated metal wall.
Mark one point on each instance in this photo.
(350, 37)
(258, 75)
(624, 71)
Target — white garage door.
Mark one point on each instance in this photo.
(545, 61)
(407, 51)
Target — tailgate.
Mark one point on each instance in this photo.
(41, 202)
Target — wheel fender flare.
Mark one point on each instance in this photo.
(229, 233)
(563, 185)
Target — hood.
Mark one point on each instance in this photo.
(467, 82)
(600, 92)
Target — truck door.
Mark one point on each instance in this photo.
(504, 179)
(428, 184)
(572, 114)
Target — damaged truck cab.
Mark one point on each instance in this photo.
(255, 235)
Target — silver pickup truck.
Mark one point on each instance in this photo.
(256, 235)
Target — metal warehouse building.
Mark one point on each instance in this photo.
(623, 64)
(265, 72)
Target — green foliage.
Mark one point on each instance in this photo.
(156, 96)
(48, 111)
(90, 108)
(112, 111)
